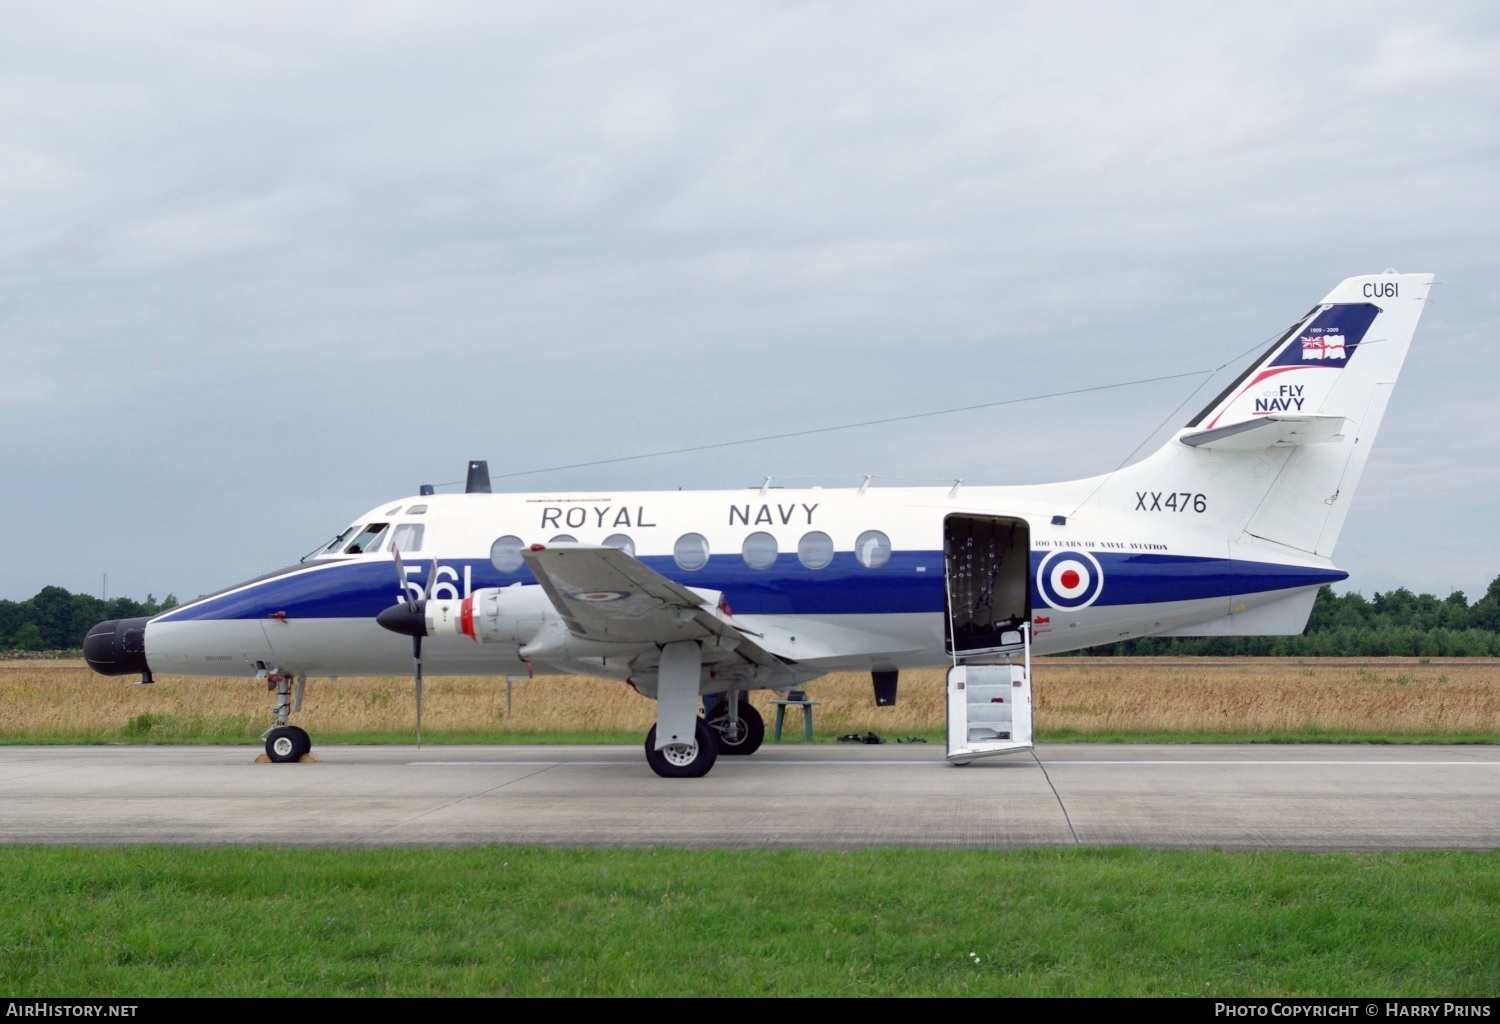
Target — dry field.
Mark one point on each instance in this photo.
(1074, 696)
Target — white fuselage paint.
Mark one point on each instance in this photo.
(318, 619)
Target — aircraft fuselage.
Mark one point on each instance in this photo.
(837, 607)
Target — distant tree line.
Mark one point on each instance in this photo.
(1396, 622)
(56, 620)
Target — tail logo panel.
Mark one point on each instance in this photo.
(1070, 580)
(1331, 338)
(1326, 342)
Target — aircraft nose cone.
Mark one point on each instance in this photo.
(117, 647)
(404, 619)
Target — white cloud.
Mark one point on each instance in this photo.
(339, 248)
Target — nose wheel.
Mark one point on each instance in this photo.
(287, 743)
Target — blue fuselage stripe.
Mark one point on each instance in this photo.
(911, 581)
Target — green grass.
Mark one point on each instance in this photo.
(153, 921)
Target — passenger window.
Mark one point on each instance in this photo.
(622, 542)
(408, 537)
(563, 538)
(759, 550)
(691, 551)
(873, 549)
(368, 540)
(505, 554)
(815, 549)
(338, 542)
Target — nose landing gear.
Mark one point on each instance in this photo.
(285, 742)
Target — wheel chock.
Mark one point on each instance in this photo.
(308, 758)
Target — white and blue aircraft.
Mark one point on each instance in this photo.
(1228, 529)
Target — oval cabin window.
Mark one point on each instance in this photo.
(691, 551)
(505, 554)
(873, 549)
(815, 549)
(759, 550)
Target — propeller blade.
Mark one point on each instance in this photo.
(411, 602)
(431, 581)
(416, 653)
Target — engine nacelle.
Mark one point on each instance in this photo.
(493, 615)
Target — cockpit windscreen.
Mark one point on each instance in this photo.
(368, 540)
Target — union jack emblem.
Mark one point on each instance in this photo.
(1328, 346)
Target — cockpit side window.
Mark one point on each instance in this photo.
(407, 538)
(368, 540)
(337, 544)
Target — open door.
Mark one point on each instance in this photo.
(988, 582)
(987, 573)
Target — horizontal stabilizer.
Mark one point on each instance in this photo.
(1283, 431)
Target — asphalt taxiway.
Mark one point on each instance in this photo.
(822, 796)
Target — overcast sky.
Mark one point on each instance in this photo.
(266, 265)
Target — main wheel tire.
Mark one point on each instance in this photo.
(287, 743)
(684, 760)
(747, 738)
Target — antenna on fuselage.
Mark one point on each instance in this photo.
(479, 478)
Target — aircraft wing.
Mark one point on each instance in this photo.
(607, 595)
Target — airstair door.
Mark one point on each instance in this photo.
(989, 710)
(987, 576)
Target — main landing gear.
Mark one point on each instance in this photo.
(725, 731)
(285, 742)
(684, 760)
(740, 732)
(732, 726)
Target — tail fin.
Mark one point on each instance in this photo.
(1277, 455)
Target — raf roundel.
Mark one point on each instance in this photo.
(1069, 580)
(599, 596)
